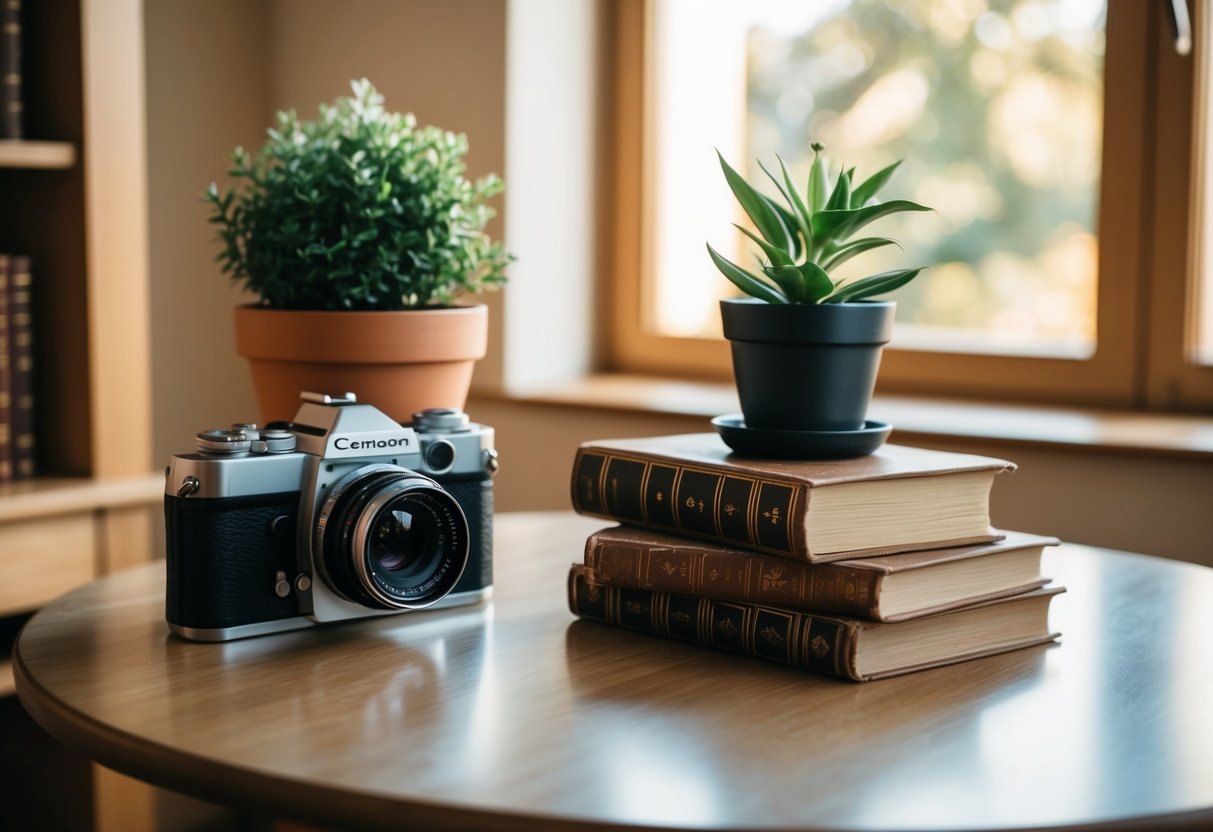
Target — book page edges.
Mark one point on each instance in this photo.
(1005, 541)
(977, 654)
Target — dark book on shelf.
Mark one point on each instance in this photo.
(883, 588)
(21, 364)
(850, 648)
(12, 116)
(894, 500)
(6, 376)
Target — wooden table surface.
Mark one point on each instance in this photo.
(514, 715)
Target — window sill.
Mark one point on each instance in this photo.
(1072, 428)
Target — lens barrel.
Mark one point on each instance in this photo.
(389, 538)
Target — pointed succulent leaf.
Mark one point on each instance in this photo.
(876, 284)
(802, 211)
(775, 181)
(790, 225)
(775, 254)
(819, 181)
(871, 186)
(796, 218)
(817, 284)
(840, 224)
(759, 209)
(846, 251)
(840, 199)
(745, 281)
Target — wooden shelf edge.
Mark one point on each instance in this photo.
(46, 497)
(30, 154)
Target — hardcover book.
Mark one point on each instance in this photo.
(850, 648)
(6, 398)
(21, 365)
(894, 500)
(12, 119)
(884, 588)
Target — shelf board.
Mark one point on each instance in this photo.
(30, 154)
(48, 496)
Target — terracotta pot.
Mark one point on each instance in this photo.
(401, 362)
(807, 367)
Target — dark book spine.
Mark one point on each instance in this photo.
(756, 513)
(12, 117)
(809, 642)
(6, 388)
(726, 575)
(21, 353)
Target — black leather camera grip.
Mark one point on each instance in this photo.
(223, 557)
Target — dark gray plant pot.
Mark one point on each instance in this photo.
(806, 366)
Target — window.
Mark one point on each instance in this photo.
(1061, 245)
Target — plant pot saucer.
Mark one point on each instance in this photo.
(800, 444)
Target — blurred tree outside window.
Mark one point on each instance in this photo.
(996, 108)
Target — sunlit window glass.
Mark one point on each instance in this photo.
(995, 106)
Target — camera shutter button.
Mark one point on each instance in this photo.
(282, 587)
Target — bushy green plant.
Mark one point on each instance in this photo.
(811, 237)
(360, 209)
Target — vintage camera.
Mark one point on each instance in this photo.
(341, 513)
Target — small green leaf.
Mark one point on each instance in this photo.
(789, 280)
(872, 185)
(848, 250)
(750, 284)
(876, 284)
(757, 207)
(817, 284)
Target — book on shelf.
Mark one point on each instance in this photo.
(847, 647)
(12, 117)
(6, 398)
(893, 500)
(894, 587)
(21, 365)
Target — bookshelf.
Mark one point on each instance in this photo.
(75, 201)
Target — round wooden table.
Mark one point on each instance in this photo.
(515, 715)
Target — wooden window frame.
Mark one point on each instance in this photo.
(1146, 213)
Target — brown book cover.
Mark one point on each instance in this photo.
(894, 500)
(12, 117)
(6, 390)
(21, 365)
(849, 648)
(885, 588)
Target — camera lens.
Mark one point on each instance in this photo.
(389, 538)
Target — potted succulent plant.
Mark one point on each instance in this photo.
(806, 346)
(360, 234)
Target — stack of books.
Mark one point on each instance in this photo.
(861, 568)
(16, 369)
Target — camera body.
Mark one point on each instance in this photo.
(341, 513)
